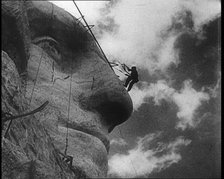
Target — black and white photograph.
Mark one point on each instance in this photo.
(110, 89)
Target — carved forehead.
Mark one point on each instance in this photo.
(47, 19)
(45, 9)
(25, 20)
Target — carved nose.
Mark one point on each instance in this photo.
(110, 100)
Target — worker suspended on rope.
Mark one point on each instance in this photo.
(131, 73)
(132, 77)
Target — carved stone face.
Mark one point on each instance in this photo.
(86, 99)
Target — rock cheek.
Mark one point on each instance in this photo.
(27, 150)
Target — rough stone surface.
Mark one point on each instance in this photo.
(56, 60)
(27, 150)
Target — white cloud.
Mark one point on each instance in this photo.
(214, 92)
(90, 9)
(203, 10)
(138, 96)
(158, 91)
(167, 54)
(144, 159)
(137, 40)
(120, 142)
(187, 100)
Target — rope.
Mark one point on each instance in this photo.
(36, 76)
(34, 81)
(50, 21)
(10, 123)
(126, 149)
(69, 103)
(27, 114)
(11, 118)
(114, 64)
(122, 72)
(8, 127)
(93, 35)
(52, 77)
(123, 66)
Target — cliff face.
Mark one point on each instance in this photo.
(49, 56)
(27, 150)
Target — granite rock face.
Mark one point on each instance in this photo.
(27, 149)
(49, 56)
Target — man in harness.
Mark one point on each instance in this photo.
(132, 78)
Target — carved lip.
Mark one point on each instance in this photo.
(92, 132)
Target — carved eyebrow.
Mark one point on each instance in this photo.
(46, 19)
(45, 38)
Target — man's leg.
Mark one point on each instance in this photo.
(127, 81)
(130, 85)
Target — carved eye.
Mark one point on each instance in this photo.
(49, 45)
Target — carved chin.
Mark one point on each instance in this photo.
(89, 153)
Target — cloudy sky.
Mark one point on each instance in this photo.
(175, 128)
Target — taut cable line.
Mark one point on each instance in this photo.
(92, 34)
(36, 76)
(69, 103)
